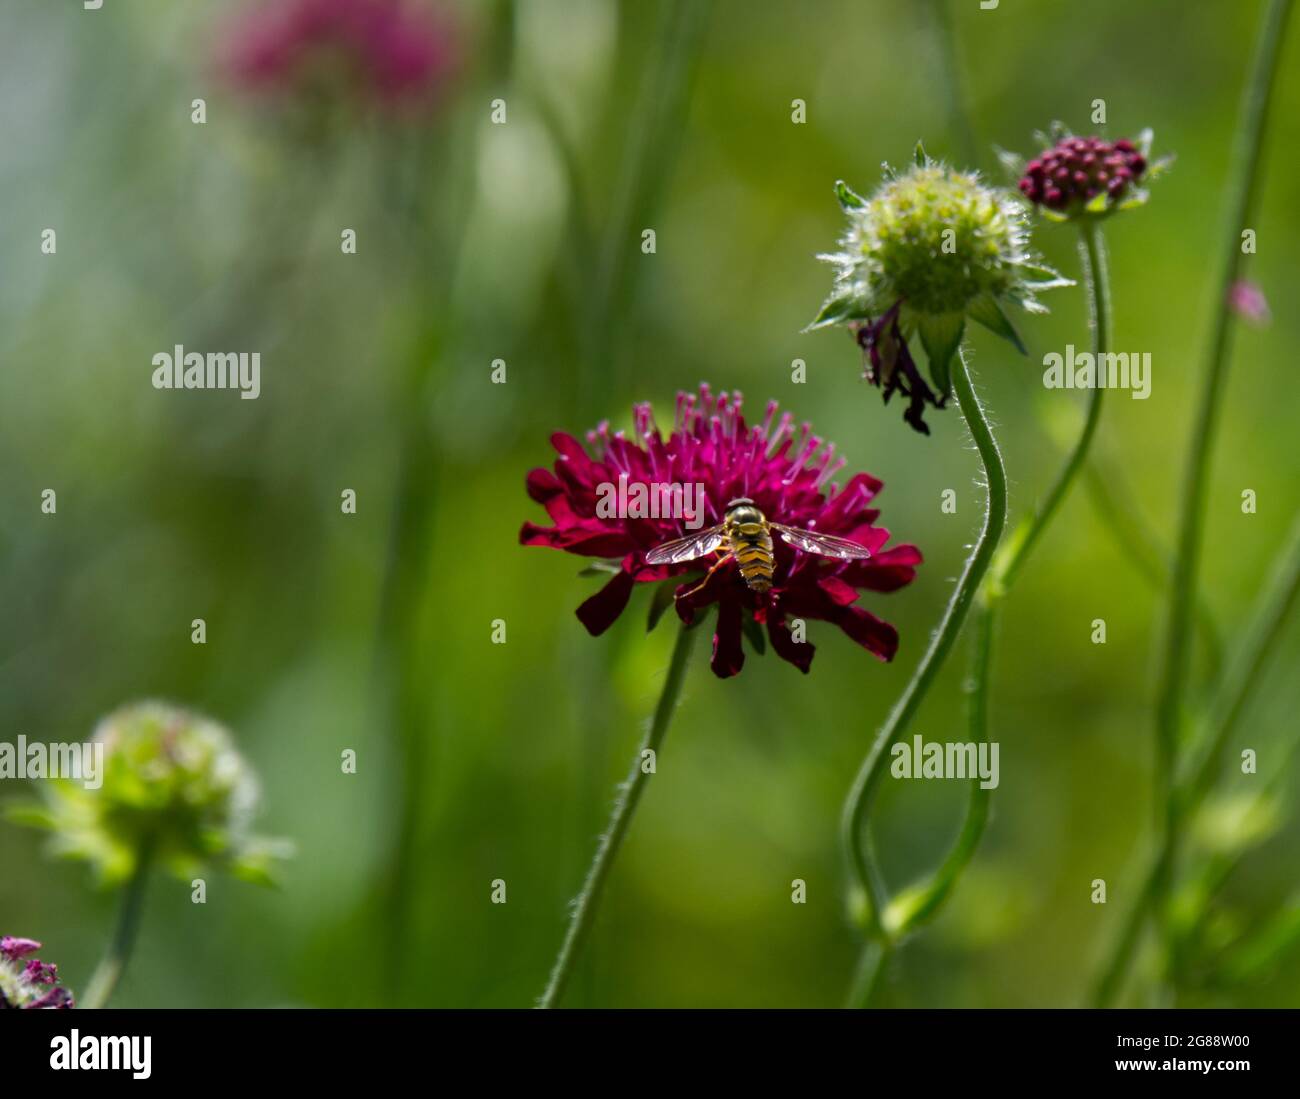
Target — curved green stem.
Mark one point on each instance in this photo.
(870, 895)
(928, 899)
(1243, 180)
(925, 901)
(109, 972)
(584, 908)
(1092, 254)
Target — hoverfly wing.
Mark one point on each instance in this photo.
(699, 544)
(827, 545)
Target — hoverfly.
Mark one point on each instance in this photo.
(745, 536)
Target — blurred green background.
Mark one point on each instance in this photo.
(521, 242)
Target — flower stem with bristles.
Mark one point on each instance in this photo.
(869, 886)
(1092, 252)
(924, 901)
(584, 907)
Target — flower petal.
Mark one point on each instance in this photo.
(728, 653)
(875, 635)
(599, 612)
(798, 653)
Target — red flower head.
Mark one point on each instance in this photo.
(711, 458)
(392, 50)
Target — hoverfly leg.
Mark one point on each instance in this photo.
(707, 576)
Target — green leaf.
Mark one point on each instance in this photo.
(985, 310)
(839, 309)
(660, 602)
(1143, 141)
(849, 198)
(1098, 203)
(941, 335)
(918, 155)
(754, 632)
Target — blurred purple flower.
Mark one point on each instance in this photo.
(13, 948)
(391, 50)
(1247, 300)
(30, 985)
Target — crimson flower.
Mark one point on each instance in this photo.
(785, 471)
(389, 49)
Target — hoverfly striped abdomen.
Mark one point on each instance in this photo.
(750, 542)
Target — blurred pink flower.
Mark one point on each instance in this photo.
(392, 50)
(1247, 300)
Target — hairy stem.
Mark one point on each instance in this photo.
(869, 891)
(1092, 252)
(584, 908)
(926, 901)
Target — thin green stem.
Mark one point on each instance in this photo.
(871, 967)
(949, 72)
(1243, 184)
(655, 129)
(109, 972)
(584, 908)
(1272, 609)
(869, 891)
(925, 901)
(1092, 255)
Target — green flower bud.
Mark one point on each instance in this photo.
(928, 249)
(174, 790)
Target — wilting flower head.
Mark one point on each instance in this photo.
(1076, 177)
(786, 472)
(30, 983)
(388, 50)
(174, 789)
(930, 247)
